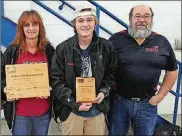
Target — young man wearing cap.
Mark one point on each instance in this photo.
(84, 55)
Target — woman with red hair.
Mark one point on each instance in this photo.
(28, 116)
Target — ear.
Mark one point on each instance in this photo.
(95, 26)
(96, 21)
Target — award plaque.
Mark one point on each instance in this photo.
(27, 80)
(85, 90)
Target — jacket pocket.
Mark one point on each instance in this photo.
(100, 64)
(60, 110)
(64, 112)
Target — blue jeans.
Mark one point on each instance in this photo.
(31, 125)
(141, 114)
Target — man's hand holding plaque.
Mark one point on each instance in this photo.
(85, 107)
(99, 97)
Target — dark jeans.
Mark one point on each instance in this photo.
(141, 114)
(31, 125)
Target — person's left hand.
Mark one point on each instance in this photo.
(155, 100)
(99, 97)
(2, 103)
(43, 97)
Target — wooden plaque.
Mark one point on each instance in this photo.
(85, 90)
(27, 80)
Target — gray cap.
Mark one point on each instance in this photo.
(84, 11)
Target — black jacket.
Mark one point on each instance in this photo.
(66, 66)
(10, 56)
(3, 96)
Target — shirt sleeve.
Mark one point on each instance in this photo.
(171, 59)
(112, 39)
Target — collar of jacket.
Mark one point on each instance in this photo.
(93, 42)
(49, 49)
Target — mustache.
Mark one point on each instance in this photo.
(148, 25)
(141, 24)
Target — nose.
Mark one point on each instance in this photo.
(31, 27)
(85, 23)
(142, 19)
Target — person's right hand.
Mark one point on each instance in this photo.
(5, 90)
(10, 99)
(85, 106)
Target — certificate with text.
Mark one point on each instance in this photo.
(27, 80)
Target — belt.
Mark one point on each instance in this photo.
(139, 99)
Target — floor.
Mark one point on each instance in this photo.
(53, 129)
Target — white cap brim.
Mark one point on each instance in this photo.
(85, 13)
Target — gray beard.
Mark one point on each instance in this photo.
(139, 33)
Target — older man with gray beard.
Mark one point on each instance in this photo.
(142, 54)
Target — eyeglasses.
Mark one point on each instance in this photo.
(139, 16)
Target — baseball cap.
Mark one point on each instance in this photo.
(84, 11)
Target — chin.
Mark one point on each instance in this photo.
(141, 27)
(85, 35)
(32, 37)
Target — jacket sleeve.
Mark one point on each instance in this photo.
(3, 96)
(3, 75)
(49, 54)
(6, 59)
(110, 68)
(58, 79)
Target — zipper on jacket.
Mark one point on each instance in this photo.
(15, 55)
(12, 125)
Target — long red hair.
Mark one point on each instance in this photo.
(32, 16)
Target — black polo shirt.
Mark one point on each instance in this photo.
(139, 66)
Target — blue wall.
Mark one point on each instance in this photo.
(8, 31)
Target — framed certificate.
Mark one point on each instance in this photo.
(85, 90)
(27, 80)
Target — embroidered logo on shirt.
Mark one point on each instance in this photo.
(70, 64)
(154, 49)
